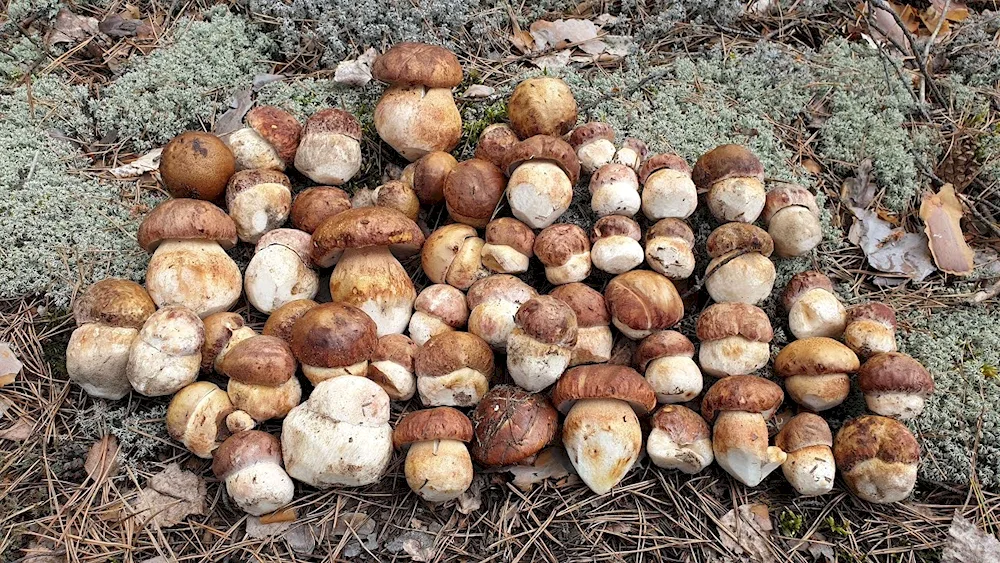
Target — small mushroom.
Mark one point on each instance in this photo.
(391, 366)
(667, 188)
(740, 406)
(281, 270)
(314, 205)
(670, 248)
(512, 426)
(493, 304)
(540, 347)
(258, 201)
(330, 150)
(196, 165)
(594, 144)
(283, 319)
(614, 190)
(438, 308)
(734, 179)
(542, 106)
(871, 329)
(508, 247)
(196, 417)
(643, 302)
(262, 382)
(740, 270)
(472, 192)
(615, 247)
(735, 339)
(249, 463)
(813, 307)
(438, 467)
(878, 458)
(631, 153)
(453, 254)
(809, 466)
(895, 385)
(166, 355)
(817, 371)
(268, 139)
(666, 359)
(680, 439)
(792, 219)
(399, 196)
(222, 332)
(564, 250)
(543, 171)
(427, 176)
(601, 431)
(453, 369)
(333, 340)
(594, 340)
(494, 142)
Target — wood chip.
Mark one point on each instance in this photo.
(942, 216)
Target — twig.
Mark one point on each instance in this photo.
(988, 293)
(921, 62)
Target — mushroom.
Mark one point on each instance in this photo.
(250, 464)
(813, 308)
(895, 385)
(564, 250)
(222, 332)
(493, 304)
(680, 439)
(330, 149)
(108, 315)
(594, 144)
(542, 106)
(594, 340)
(740, 406)
(281, 270)
(189, 267)
(494, 142)
(631, 153)
(438, 308)
(614, 190)
(333, 340)
(399, 196)
(196, 417)
(734, 179)
(809, 465)
(666, 360)
(871, 329)
(453, 254)
(878, 458)
(268, 139)
(667, 188)
(670, 248)
(615, 247)
(601, 431)
(314, 205)
(391, 366)
(417, 113)
(472, 192)
(792, 219)
(340, 435)
(643, 302)
(196, 165)
(735, 339)
(283, 319)
(512, 426)
(166, 355)
(262, 382)
(508, 247)
(258, 201)
(740, 270)
(453, 369)
(427, 175)
(362, 242)
(541, 345)
(817, 371)
(543, 171)
(438, 467)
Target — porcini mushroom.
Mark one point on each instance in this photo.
(281, 270)
(427, 175)
(438, 308)
(666, 359)
(543, 171)
(196, 417)
(391, 366)
(878, 458)
(541, 345)
(642, 302)
(871, 329)
(330, 149)
(438, 467)
(166, 355)
(512, 426)
(333, 340)
(268, 139)
(196, 165)
(680, 439)
(740, 270)
(895, 385)
(262, 382)
(813, 307)
(817, 371)
(670, 248)
(667, 188)
(734, 179)
(614, 190)
(631, 153)
(222, 332)
(564, 250)
(594, 340)
(615, 247)
(472, 192)
(735, 339)
(258, 201)
(494, 142)
(792, 219)
(250, 464)
(542, 106)
(809, 466)
(493, 303)
(453, 254)
(283, 319)
(399, 196)
(594, 144)
(314, 205)
(453, 369)
(508, 247)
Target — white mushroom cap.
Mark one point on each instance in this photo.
(669, 193)
(792, 219)
(280, 271)
(594, 144)
(813, 308)
(631, 153)
(494, 302)
(196, 417)
(614, 190)
(196, 274)
(539, 192)
(96, 359)
(167, 354)
(602, 438)
(391, 366)
(416, 120)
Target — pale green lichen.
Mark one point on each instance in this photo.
(140, 428)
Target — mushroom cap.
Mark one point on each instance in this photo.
(671, 227)
(453, 254)
(451, 351)
(196, 165)
(511, 425)
(744, 393)
(613, 173)
(508, 231)
(186, 219)
(638, 146)
(739, 236)
(444, 302)
(877, 457)
(542, 106)
(366, 227)
(878, 312)
(418, 63)
(804, 430)
(545, 148)
(219, 329)
(333, 335)
(473, 190)
(395, 348)
(815, 356)
(299, 242)
(428, 174)
(335, 121)
(399, 196)
(587, 303)
(548, 320)
(589, 132)
(684, 425)
(556, 244)
(196, 417)
(643, 301)
(494, 142)
(260, 360)
(114, 302)
(726, 161)
(663, 344)
(441, 423)
(283, 318)
(895, 372)
(722, 320)
(247, 179)
(661, 162)
(603, 381)
(803, 282)
(616, 226)
(499, 287)
(244, 449)
(277, 127)
(314, 205)
(788, 195)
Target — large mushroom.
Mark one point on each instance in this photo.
(643, 302)
(438, 467)
(250, 464)
(809, 465)
(735, 339)
(817, 371)
(280, 270)
(564, 250)
(895, 385)
(472, 192)
(666, 359)
(512, 426)
(813, 307)
(166, 355)
(493, 303)
(594, 339)
(428, 173)
(333, 340)
(258, 201)
(453, 255)
(330, 149)
(453, 369)
(792, 219)
(543, 171)
(667, 188)
(670, 248)
(196, 165)
(740, 270)
(196, 417)
(439, 308)
(262, 382)
(680, 439)
(871, 329)
(734, 179)
(268, 139)
(542, 106)
(540, 347)
(878, 458)
(614, 190)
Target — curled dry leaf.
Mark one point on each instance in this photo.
(232, 119)
(170, 496)
(968, 544)
(357, 72)
(10, 366)
(283, 515)
(748, 527)
(19, 432)
(419, 545)
(102, 459)
(257, 529)
(479, 91)
(889, 249)
(563, 33)
(71, 28)
(942, 216)
(146, 163)
(550, 463)
(472, 498)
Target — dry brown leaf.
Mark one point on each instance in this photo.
(258, 530)
(283, 515)
(71, 28)
(232, 119)
(146, 163)
(749, 527)
(10, 366)
(522, 41)
(102, 459)
(479, 91)
(889, 249)
(562, 33)
(418, 550)
(171, 496)
(472, 498)
(942, 216)
(19, 432)
(359, 522)
(550, 463)
(969, 544)
(119, 25)
(553, 62)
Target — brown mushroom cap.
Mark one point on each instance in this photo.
(739, 236)
(450, 351)
(283, 318)
(895, 372)
(418, 63)
(399, 196)
(314, 205)
(332, 120)
(663, 344)
(366, 227)
(587, 303)
(661, 162)
(724, 162)
(428, 174)
(722, 320)
(616, 226)
(508, 231)
(744, 393)
(644, 300)
(637, 145)
(556, 244)
(545, 148)
(874, 312)
(548, 320)
(196, 165)
(499, 286)
(815, 356)
(246, 179)
(219, 328)
(589, 132)
(395, 348)
(803, 282)
(684, 425)
(543, 105)
(427, 425)
(874, 437)
(278, 127)
(186, 219)
(603, 381)
(804, 430)
(333, 335)
(115, 302)
(612, 173)
(260, 360)
(671, 227)
(244, 449)
(473, 190)
(788, 195)
(511, 425)
(444, 302)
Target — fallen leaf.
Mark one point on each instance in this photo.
(550, 463)
(968, 544)
(888, 249)
(118, 26)
(170, 496)
(10, 366)
(418, 551)
(71, 28)
(859, 191)
(417, 544)
(19, 432)
(749, 527)
(145, 163)
(472, 498)
(522, 41)
(357, 72)
(256, 529)
(605, 20)
(887, 28)
(479, 91)
(619, 45)
(562, 33)
(942, 216)
(553, 62)
(821, 550)
(232, 119)
(283, 515)
(359, 522)
(102, 459)
(301, 538)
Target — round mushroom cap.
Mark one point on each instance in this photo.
(895, 372)
(878, 458)
(548, 320)
(508, 231)
(427, 175)
(547, 149)
(878, 312)
(260, 360)
(815, 356)
(494, 142)
(278, 127)
(739, 236)
(444, 302)
(616, 226)
(196, 165)
(115, 302)
(723, 320)
(671, 227)
(271, 194)
(663, 344)
(788, 195)
(395, 348)
(542, 106)
(418, 63)
(511, 425)
(451, 351)
(662, 162)
(603, 381)
(803, 282)
(724, 162)
(473, 190)
(314, 205)
(187, 219)
(589, 132)
(244, 449)
(587, 303)
(283, 318)
(684, 425)
(742, 393)
(299, 242)
(196, 417)
(503, 287)
(333, 120)
(220, 329)
(642, 302)
(441, 423)
(333, 335)
(364, 228)
(558, 243)
(399, 196)
(804, 430)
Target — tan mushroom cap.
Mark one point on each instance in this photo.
(198, 399)
(671, 227)
(879, 447)
(508, 231)
(219, 328)
(722, 320)
(332, 120)
(878, 312)
(427, 176)
(612, 173)
(739, 236)
(395, 348)
(314, 205)
(114, 302)
(662, 162)
(803, 282)
(684, 425)
(441, 423)
(366, 227)
(499, 286)
(788, 195)
(277, 127)
(186, 219)
(450, 351)
(494, 142)
(556, 244)
(804, 430)
(724, 162)
(603, 381)
(260, 360)
(299, 242)
(444, 302)
(545, 148)
(587, 303)
(246, 179)
(511, 425)
(283, 318)
(591, 132)
(399, 196)
(196, 165)
(644, 301)
(815, 356)
(473, 190)
(616, 225)
(418, 63)
(663, 344)
(244, 449)
(895, 372)
(543, 105)
(333, 335)
(548, 320)
(743, 393)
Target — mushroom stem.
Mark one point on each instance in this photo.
(372, 280)
(438, 470)
(602, 438)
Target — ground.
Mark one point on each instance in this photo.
(805, 86)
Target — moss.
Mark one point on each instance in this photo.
(972, 51)
(139, 426)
